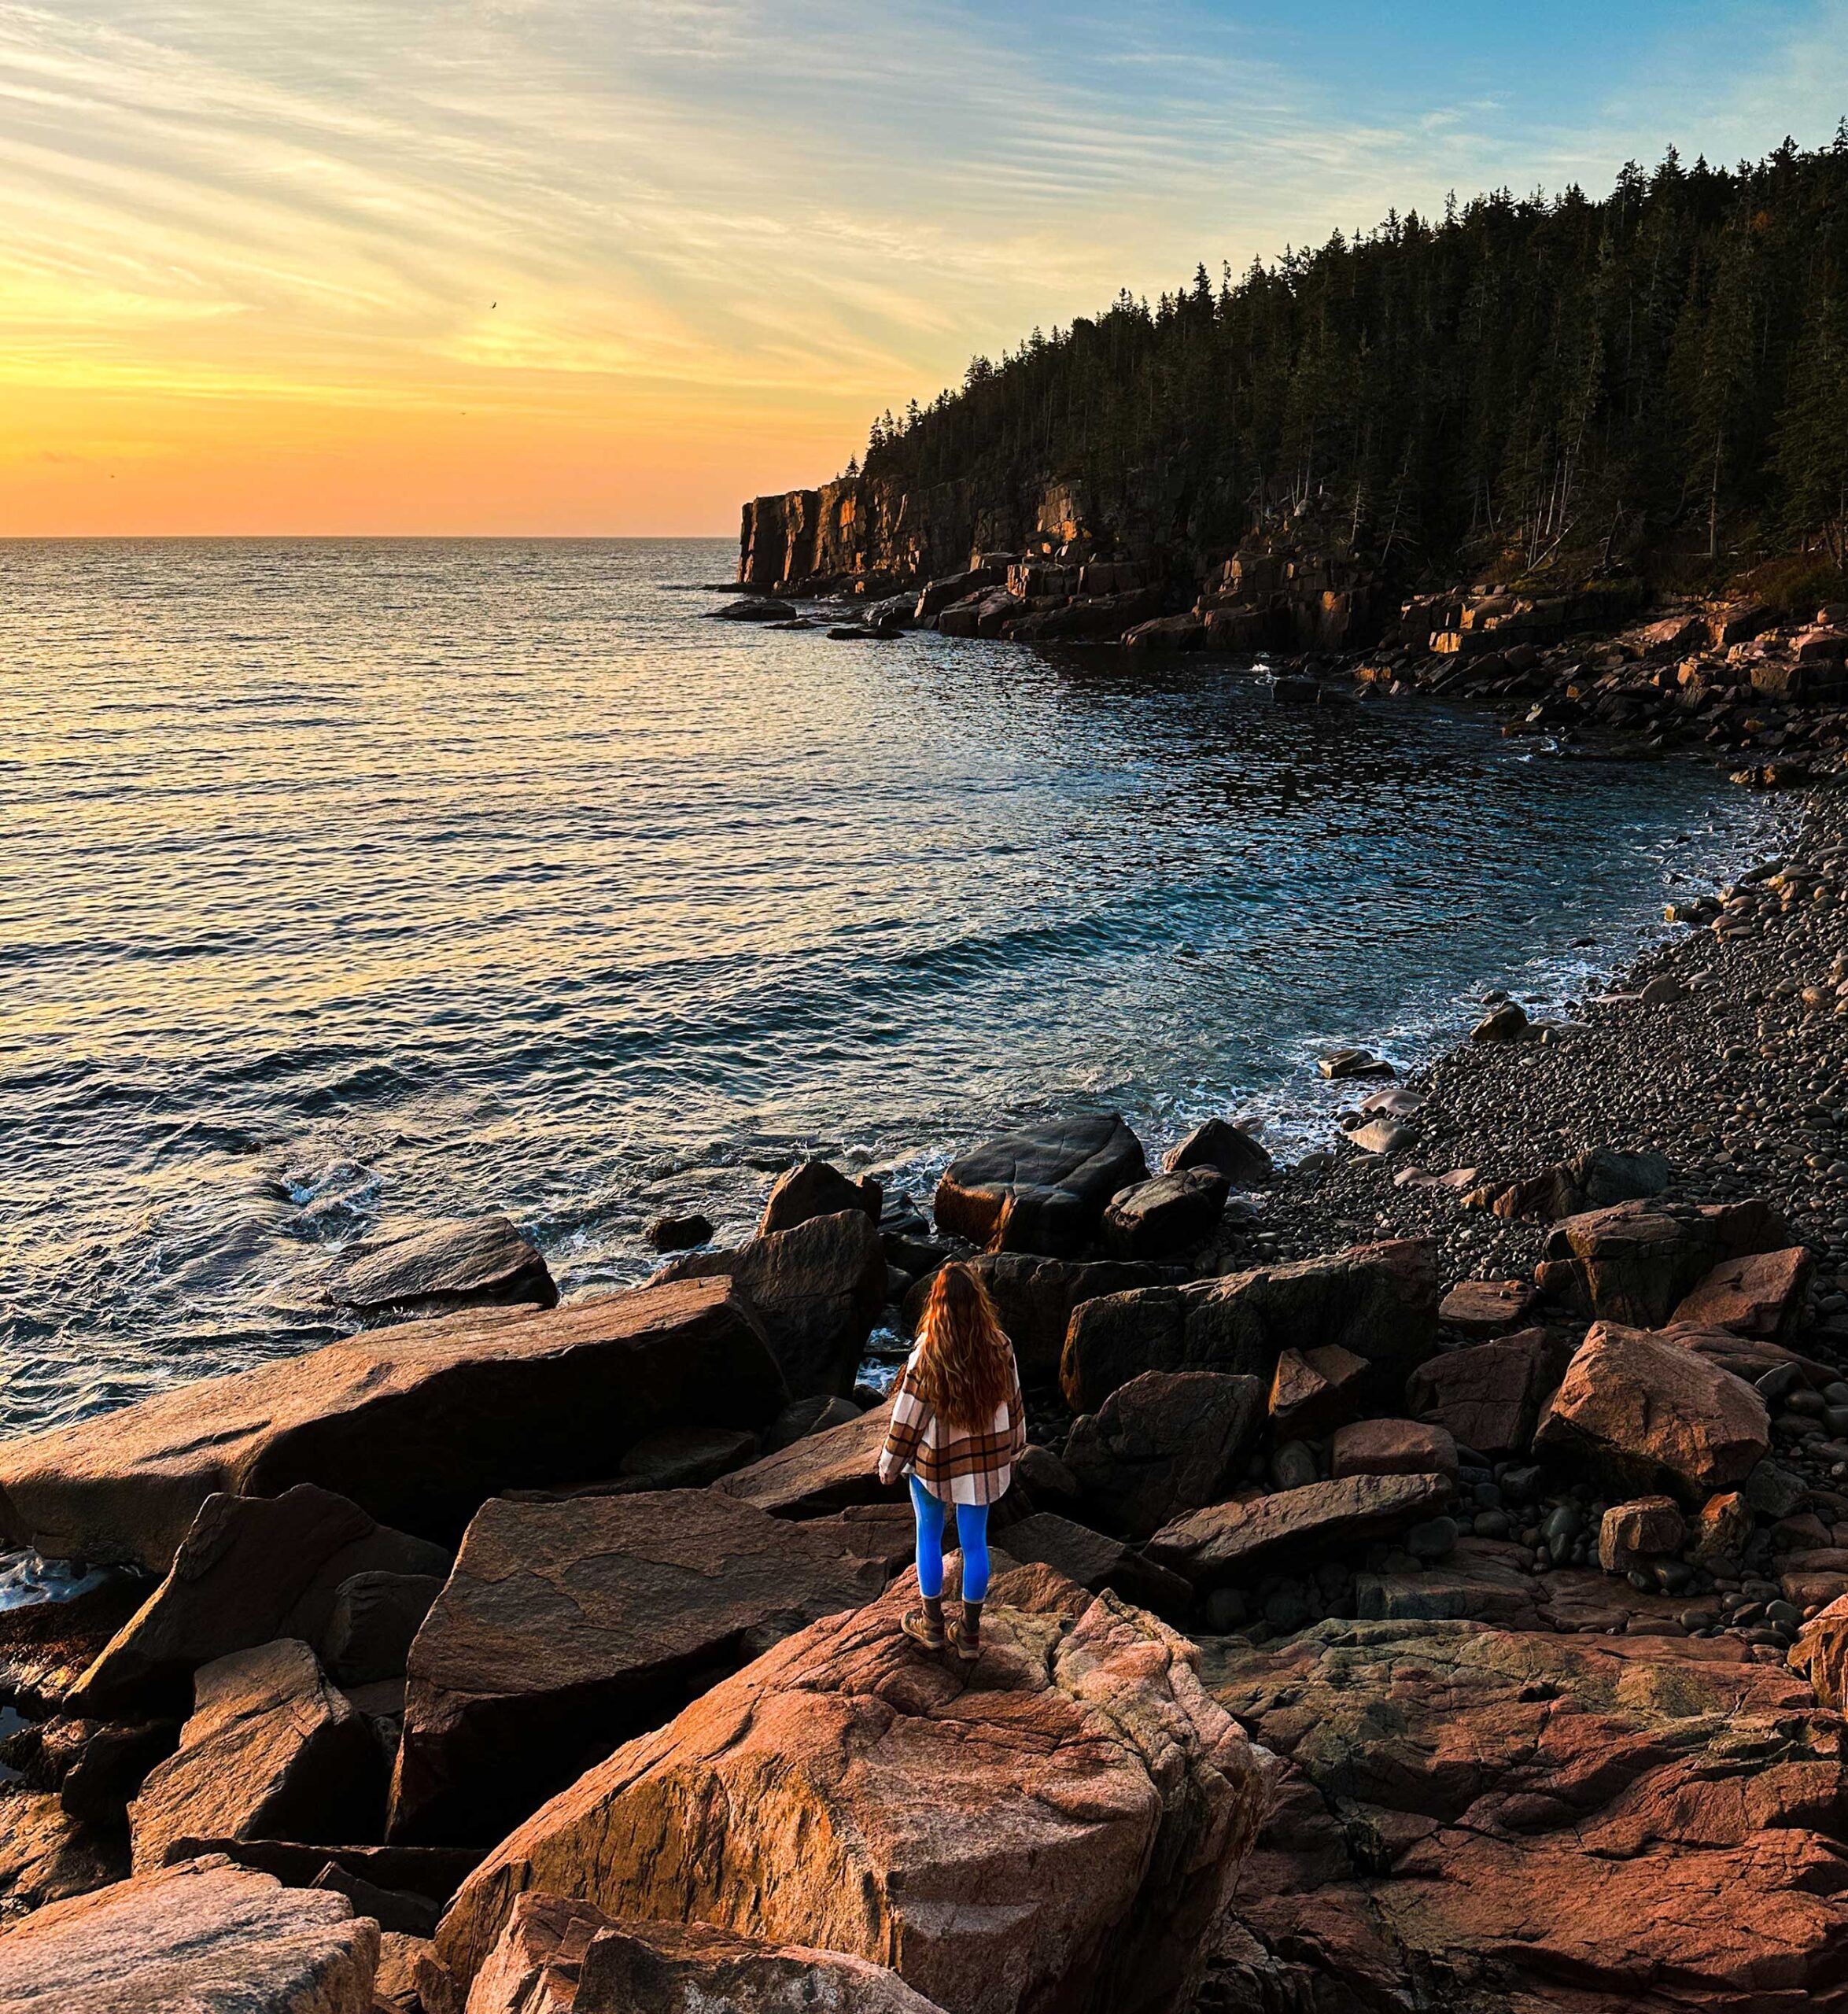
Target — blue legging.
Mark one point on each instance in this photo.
(972, 1531)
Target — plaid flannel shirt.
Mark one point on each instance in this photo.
(955, 1467)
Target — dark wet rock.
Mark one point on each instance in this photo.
(815, 1189)
(865, 1785)
(1646, 1412)
(249, 1570)
(1342, 1063)
(1488, 1396)
(1231, 1541)
(1240, 1158)
(818, 1289)
(1378, 1301)
(820, 1473)
(558, 1955)
(566, 1628)
(206, 1937)
(417, 1424)
(1162, 1218)
(477, 1262)
(1166, 1442)
(272, 1750)
(1034, 1297)
(1042, 1189)
(753, 608)
(680, 1233)
(1505, 1022)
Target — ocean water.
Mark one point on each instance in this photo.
(344, 884)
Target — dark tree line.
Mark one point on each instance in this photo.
(1522, 376)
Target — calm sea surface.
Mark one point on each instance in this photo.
(346, 883)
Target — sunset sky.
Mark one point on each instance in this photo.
(606, 267)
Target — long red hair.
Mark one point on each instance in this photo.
(965, 1368)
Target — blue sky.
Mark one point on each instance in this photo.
(607, 265)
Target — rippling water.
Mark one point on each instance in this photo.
(343, 883)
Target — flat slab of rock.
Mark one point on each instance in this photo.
(566, 1628)
(206, 1937)
(818, 1288)
(820, 1473)
(1556, 1815)
(477, 1262)
(1244, 1160)
(1166, 1442)
(1647, 1412)
(1042, 1190)
(1034, 1298)
(1377, 1301)
(1229, 1542)
(1392, 1448)
(418, 1424)
(273, 1751)
(1481, 1308)
(250, 1569)
(1061, 1829)
(559, 1956)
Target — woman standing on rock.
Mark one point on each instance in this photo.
(958, 1427)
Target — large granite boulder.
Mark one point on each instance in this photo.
(1646, 1412)
(820, 1473)
(1243, 1159)
(1488, 1396)
(559, 1956)
(479, 1262)
(567, 1628)
(1042, 1190)
(1167, 1215)
(818, 1288)
(817, 1188)
(250, 1569)
(1236, 1541)
(1166, 1442)
(204, 1938)
(1633, 1262)
(1378, 1301)
(417, 1424)
(1605, 1824)
(1060, 1829)
(1034, 1297)
(1763, 1295)
(272, 1752)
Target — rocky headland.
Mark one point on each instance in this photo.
(1427, 1587)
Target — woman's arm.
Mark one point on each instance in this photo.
(909, 1416)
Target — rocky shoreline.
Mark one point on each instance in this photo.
(1427, 1587)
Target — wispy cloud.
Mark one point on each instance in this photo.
(634, 221)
